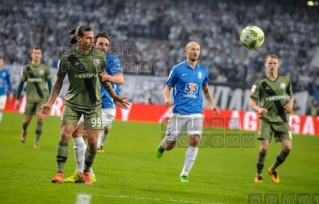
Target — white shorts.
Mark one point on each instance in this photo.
(177, 123)
(108, 115)
(3, 100)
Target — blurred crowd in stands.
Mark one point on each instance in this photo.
(149, 36)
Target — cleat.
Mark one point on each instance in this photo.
(100, 149)
(274, 175)
(58, 178)
(75, 178)
(36, 145)
(159, 154)
(259, 179)
(87, 178)
(93, 178)
(23, 136)
(184, 178)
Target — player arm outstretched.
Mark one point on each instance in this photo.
(117, 78)
(210, 99)
(46, 108)
(120, 101)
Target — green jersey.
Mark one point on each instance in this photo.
(36, 78)
(272, 96)
(83, 74)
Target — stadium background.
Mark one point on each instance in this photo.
(149, 38)
(129, 172)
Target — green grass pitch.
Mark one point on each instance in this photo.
(129, 172)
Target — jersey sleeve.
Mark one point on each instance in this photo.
(289, 88)
(48, 75)
(172, 78)
(8, 79)
(206, 79)
(116, 66)
(24, 75)
(254, 92)
(63, 66)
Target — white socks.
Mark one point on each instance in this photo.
(102, 138)
(190, 157)
(79, 153)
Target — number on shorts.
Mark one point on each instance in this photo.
(96, 122)
(290, 135)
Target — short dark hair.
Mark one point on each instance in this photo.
(35, 48)
(1, 57)
(79, 31)
(101, 35)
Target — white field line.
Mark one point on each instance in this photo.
(155, 199)
(83, 198)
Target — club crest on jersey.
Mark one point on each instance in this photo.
(41, 71)
(200, 75)
(96, 62)
(282, 85)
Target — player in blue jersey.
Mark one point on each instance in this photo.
(115, 76)
(188, 80)
(5, 86)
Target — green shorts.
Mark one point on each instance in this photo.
(32, 107)
(92, 116)
(281, 131)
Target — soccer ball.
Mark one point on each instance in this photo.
(252, 37)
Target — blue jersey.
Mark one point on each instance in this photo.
(187, 86)
(4, 81)
(113, 66)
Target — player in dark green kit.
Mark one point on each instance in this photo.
(84, 66)
(271, 90)
(37, 75)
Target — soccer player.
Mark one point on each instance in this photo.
(115, 75)
(5, 86)
(37, 75)
(271, 91)
(189, 79)
(84, 66)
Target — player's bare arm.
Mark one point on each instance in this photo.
(46, 108)
(289, 106)
(55, 90)
(210, 99)
(120, 101)
(253, 105)
(166, 93)
(116, 79)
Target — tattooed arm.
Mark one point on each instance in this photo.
(55, 90)
(108, 87)
(120, 101)
(46, 108)
(210, 99)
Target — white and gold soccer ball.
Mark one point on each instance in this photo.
(252, 37)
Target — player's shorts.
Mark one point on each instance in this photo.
(177, 124)
(92, 116)
(108, 115)
(32, 107)
(3, 100)
(281, 131)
